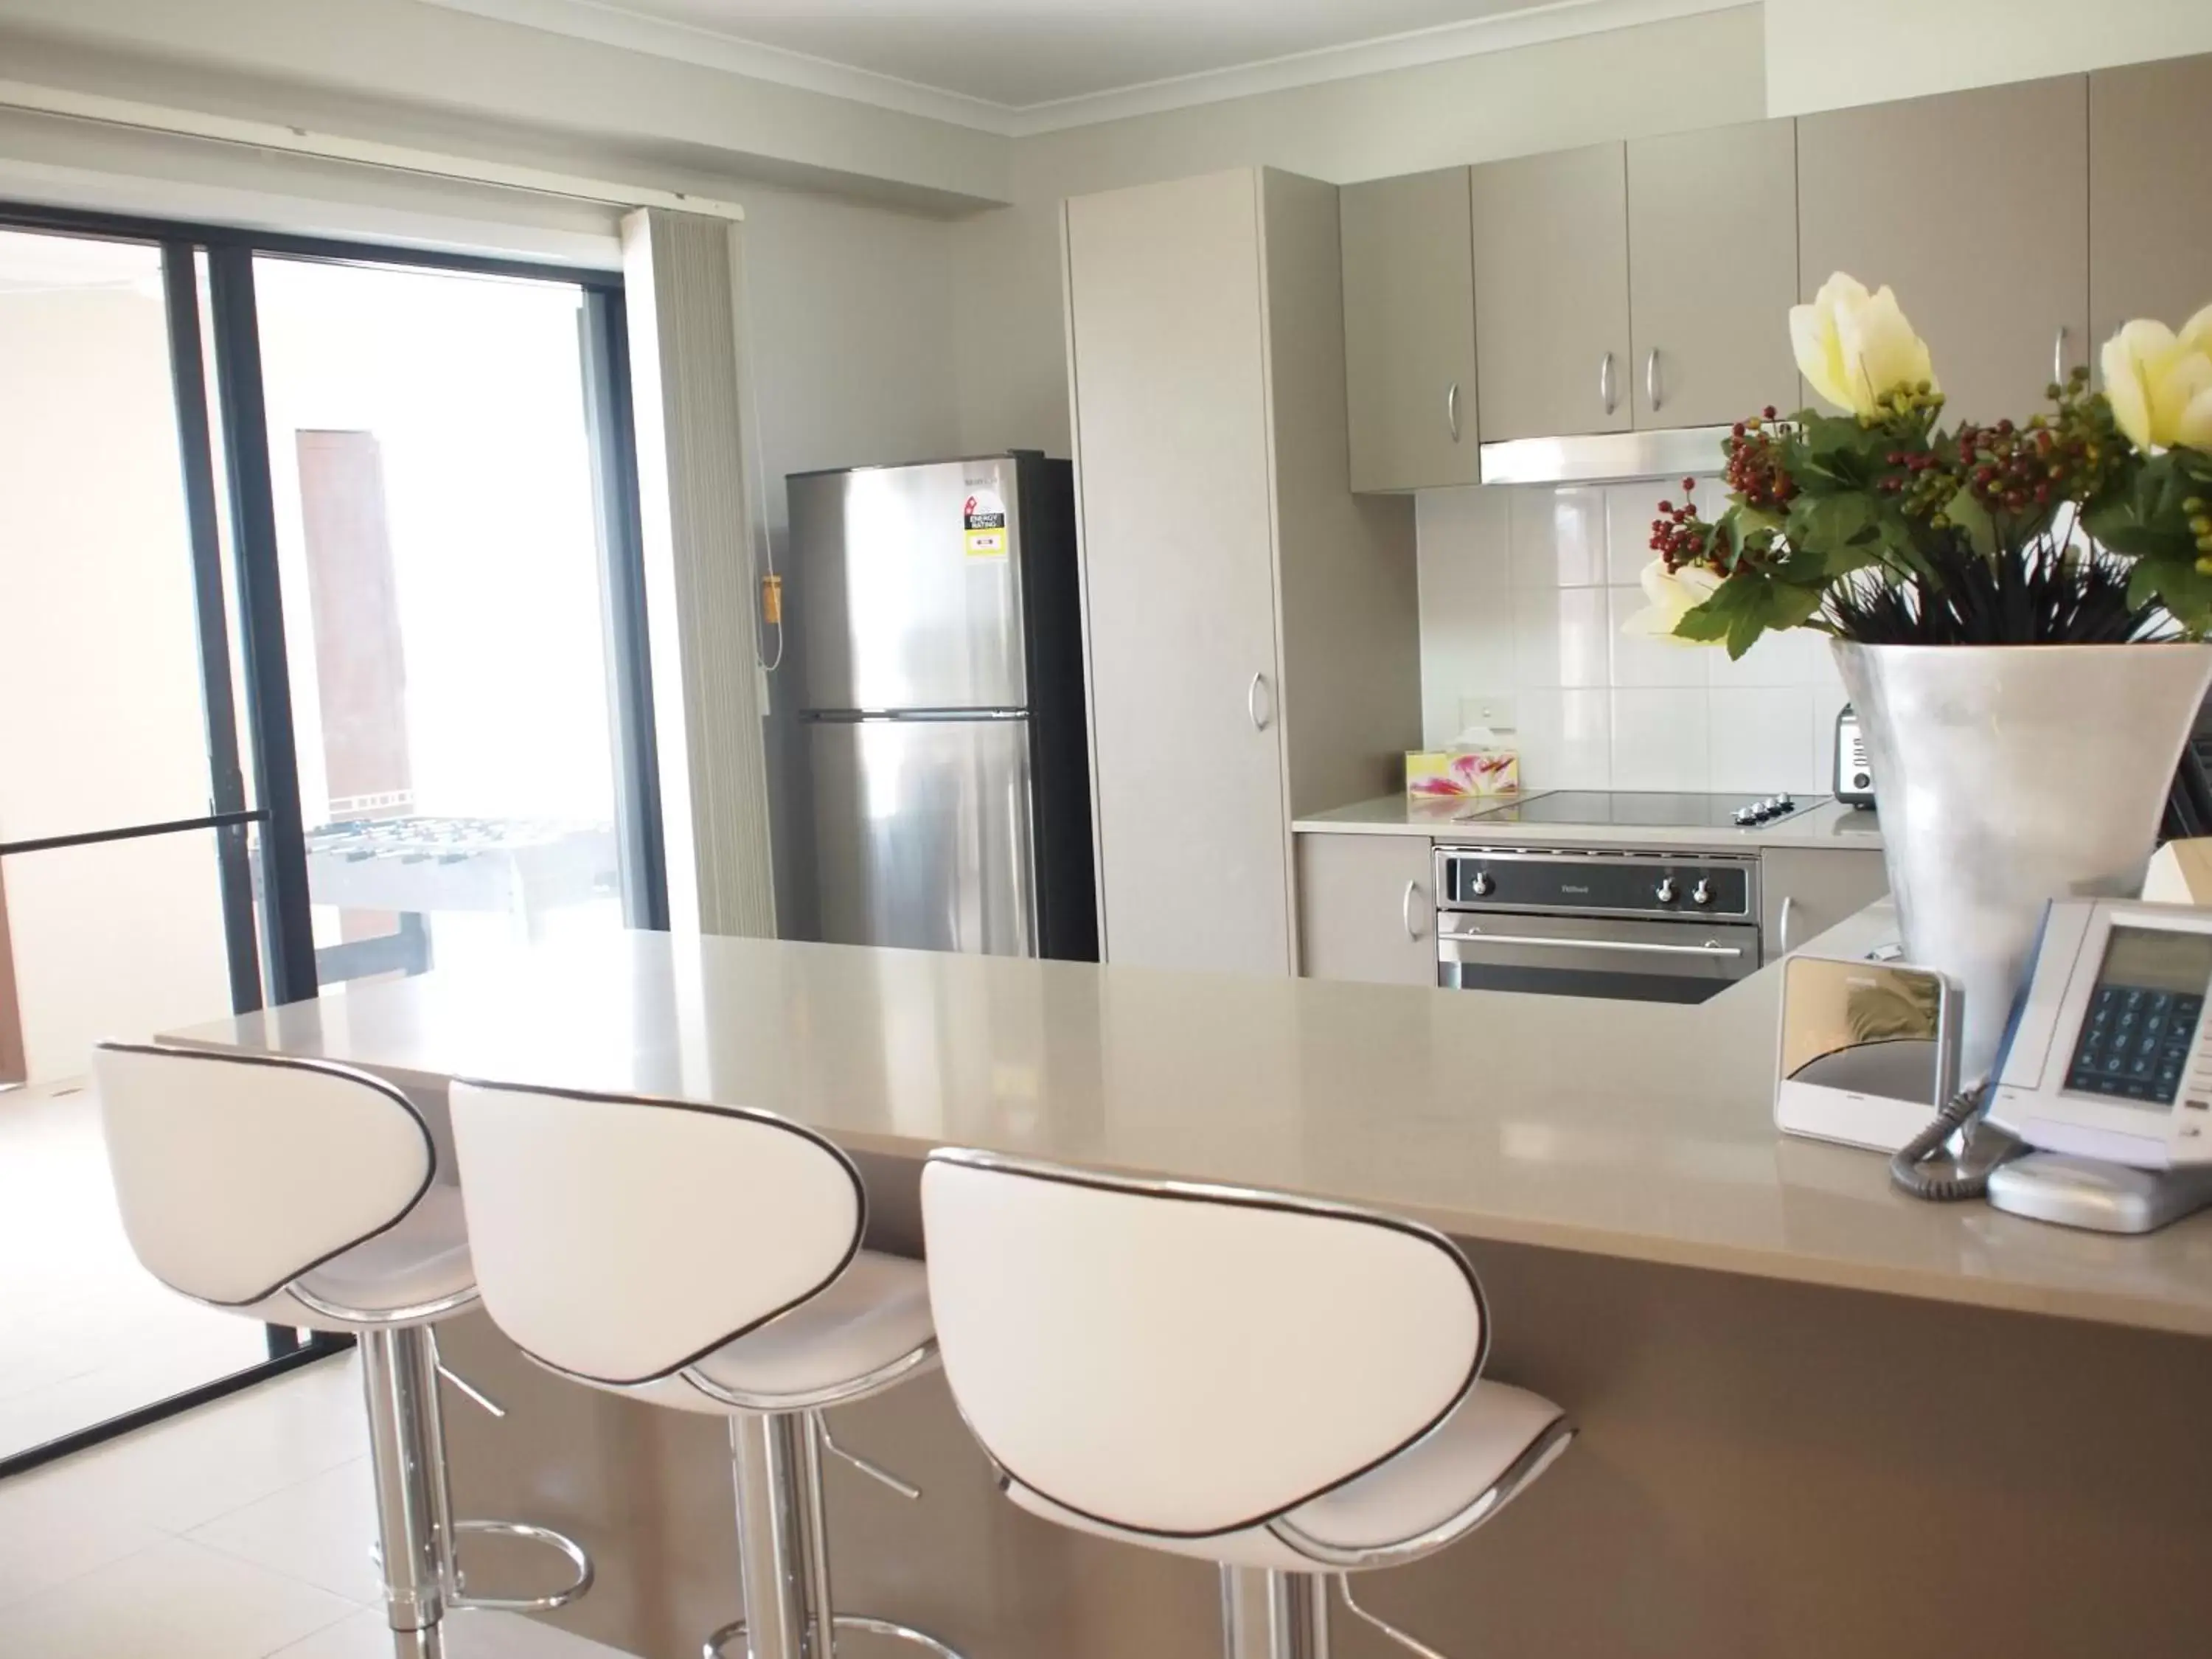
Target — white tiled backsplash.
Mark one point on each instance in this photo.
(1523, 592)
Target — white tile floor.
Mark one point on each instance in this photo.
(238, 1531)
(87, 1334)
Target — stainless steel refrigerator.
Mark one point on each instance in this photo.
(936, 618)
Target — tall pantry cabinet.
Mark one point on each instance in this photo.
(1251, 626)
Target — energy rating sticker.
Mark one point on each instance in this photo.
(983, 523)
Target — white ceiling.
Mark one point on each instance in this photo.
(1030, 65)
(1017, 54)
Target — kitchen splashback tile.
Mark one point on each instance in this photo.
(1558, 538)
(1660, 739)
(1795, 656)
(1641, 661)
(1762, 739)
(1629, 510)
(1566, 740)
(1505, 616)
(1561, 637)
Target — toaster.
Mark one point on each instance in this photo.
(1854, 772)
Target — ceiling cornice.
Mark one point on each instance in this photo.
(613, 25)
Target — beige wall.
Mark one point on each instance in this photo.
(1694, 72)
(1821, 54)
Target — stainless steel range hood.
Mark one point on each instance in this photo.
(1606, 458)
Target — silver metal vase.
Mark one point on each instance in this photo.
(2007, 775)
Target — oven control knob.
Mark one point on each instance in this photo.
(1666, 893)
(1481, 885)
(1701, 893)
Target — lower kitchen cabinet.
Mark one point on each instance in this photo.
(1803, 892)
(1366, 910)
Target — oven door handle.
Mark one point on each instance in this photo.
(1451, 944)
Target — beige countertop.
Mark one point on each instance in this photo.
(1826, 825)
(1637, 1130)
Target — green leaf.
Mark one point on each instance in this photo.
(1789, 605)
(1973, 519)
(2176, 584)
(1743, 632)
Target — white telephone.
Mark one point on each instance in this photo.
(2105, 1071)
(2109, 1054)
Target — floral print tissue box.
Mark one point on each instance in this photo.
(1434, 773)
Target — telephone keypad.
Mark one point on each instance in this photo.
(2135, 1043)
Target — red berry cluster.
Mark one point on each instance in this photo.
(1923, 479)
(1755, 469)
(1678, 536)
(2011, 469)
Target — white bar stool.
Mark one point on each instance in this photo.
(306, 1194)
(707, 1259)
(1283, 1387)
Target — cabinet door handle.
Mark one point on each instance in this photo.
(1606, 394)
(1405, 910)
(2058, 357)
(1451, 410)
(1260, 715)
(1782, 928)
(1651, 379)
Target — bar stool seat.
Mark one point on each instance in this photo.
(869, 1328)
(1427, 1496)
(420, 1261)
(707, 1258)
(1292, 1389)
(308, 1194)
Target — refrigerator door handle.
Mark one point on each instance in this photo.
(1261, 714)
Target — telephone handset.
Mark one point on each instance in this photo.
(2107, 1056)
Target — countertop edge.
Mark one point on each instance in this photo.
(1781, 1267)
(1822, 828)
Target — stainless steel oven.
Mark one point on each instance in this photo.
(1643, 926)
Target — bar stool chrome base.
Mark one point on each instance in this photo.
(1285, 1615)
(719, 1644)
(783, 1544)
(418, 1538)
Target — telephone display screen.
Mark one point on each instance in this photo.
(1868, 1028)
(2141, 1018)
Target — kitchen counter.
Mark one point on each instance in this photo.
(1827, 825)
(1797, 1389)
(1635, 1130)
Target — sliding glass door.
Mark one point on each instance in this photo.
(125, 904)
(447, 614)
(321, 660)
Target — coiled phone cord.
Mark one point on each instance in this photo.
(1967, 1176)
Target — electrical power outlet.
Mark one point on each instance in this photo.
(1492, 709)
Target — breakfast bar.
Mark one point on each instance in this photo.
(1783, 1370)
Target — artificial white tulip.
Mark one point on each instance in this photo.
(2160, 383)
(1673, 595)
(1852, 346)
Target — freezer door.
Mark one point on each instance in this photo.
(906, 587)
(924, 834)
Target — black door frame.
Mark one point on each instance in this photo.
(283, 940)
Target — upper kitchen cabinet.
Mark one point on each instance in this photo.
(1409, 331)
(2151, 193)
(1974, 206)
(1550, 288)
(1712, 239)
(1250, 624)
